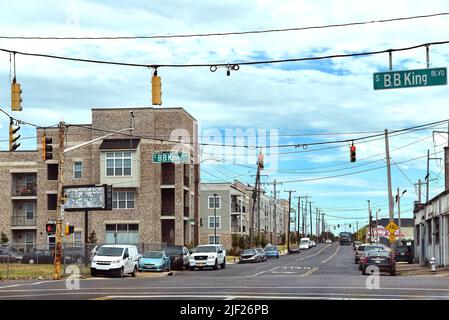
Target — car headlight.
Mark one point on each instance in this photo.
(94, 261)
(211, 257)
(116, 261)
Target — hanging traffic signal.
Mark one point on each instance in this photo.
(156, 89)
(69, 229)
(12, 136)
(353, 153)
(16, 96)
(47, 148)
(51, 228)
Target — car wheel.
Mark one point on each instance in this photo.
(134, 272)
(121, 272)
(364, 272)
(93, 273)
(31, 261)
(216, 265)
(410, 261)
(78, 260)
(393, 273)
(192, 268)
(277, 257)
(223, 265)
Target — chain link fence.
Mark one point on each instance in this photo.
(36, 261)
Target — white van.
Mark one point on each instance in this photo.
(115, 259)
(304, 243)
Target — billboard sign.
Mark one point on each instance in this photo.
(88, 197)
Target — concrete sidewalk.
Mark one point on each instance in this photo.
(415, 269)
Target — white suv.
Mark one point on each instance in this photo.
(210, 255)
(115, 259)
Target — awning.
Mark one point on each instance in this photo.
(119, 144)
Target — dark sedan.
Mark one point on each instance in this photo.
(73, 255)
(403, 254)
(9, 256)
(382, 260)
(38, 257)
(179, 257)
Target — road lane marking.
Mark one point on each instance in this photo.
(254, 275)
(308, 273)
(312, 255)
(336, 251)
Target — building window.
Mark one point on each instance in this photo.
(217, 222)
(217, 202)
(77, 170)
(77, 238)
(52, 171)
(118, 164)
(29, 210)
(123, 199)
(122, 233)
(52, 199)
(211, 239)
(29, 241)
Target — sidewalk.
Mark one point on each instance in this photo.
(405, 269)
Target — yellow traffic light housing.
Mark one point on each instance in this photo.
(16, 96)
(67, 229)
(12, 137)
(156, 89)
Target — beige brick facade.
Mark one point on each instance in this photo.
(150, 125)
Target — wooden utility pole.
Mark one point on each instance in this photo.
(275, 214)
(60, 205)
(311, 223)
(289, 217)
(390, 194)
(196, 215)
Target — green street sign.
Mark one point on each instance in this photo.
(410, 78)
(170, 157)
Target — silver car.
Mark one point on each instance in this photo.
(262, 253)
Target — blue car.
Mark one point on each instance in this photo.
(154, 261)
(272, 252)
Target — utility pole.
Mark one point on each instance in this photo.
(196, 216)
(427, 177)
(299, 216)
(275, 212)
(254, 198)
(317, 214)
(419, 184)
(377, 224)
(357, 228)
(311, 223)
(289, 211)
(390, 194)
(60, 205)
(323, 223)
(370, 222)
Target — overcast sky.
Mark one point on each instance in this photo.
(328, 96)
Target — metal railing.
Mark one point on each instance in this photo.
(28, 189)
(23, 221)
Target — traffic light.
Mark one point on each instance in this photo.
(16, 96)
(12, 137)
(47, 148)
(338, 226)
(69, 229)
(353, 153)
(156, 89)
(349, 226)
(51, 228)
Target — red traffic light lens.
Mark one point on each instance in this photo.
(352, 148)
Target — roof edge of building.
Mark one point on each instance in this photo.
(146, 107)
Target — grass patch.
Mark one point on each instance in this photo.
(33, 271)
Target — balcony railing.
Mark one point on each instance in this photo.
(237, 208)
(167, 179)
(186, 211)
(23, 221)
(28, 189)
(236, 228)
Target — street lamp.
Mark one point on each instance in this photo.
(215, 218)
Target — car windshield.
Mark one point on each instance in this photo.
(361, 248)
(173, 250)
(153, 255)
(374, 248)
(271, 249)
(110, 251)
(305, 241)
(378, 253)
(205, 249)
(401, 249)
(249, 251)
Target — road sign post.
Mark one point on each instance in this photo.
(410, 78)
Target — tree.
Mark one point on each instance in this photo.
(263, 242)
(92, 237)
(235, 240)
(3, 238)
(282, 239)
(243, 242)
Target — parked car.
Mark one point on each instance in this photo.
(368, 248)
(93, 252)
(115, 259)
(356, 244)
(381, 259)
(9, 256)
(73, 255)
(262, 253)
(403, 254)
(250, 255)
(312, 243)
(179, 257)
(304, 243)
(272, 252)
(38, 257)
(359, 253)
(328, 241)
(154, 261)
(210, 255)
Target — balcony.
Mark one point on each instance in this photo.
(23, 221)
(186, 211)
(167, 179)
(24, 190)
(186, 181)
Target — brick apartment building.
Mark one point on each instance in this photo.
(152, 202)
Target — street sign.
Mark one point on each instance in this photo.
(410, 78)
(392, 227)
(170, 157)
(392, 238)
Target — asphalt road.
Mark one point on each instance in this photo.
(324, 272)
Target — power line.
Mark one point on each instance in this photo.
(233, 65)
(192, 35)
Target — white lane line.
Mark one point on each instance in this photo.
(25, 284)
(254, 275)
(336, 251)
(312, 255)
(230, 298)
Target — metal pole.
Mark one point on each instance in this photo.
(390, 194)
(377, 225)
(86, 237)
(427, 176)
(311, 223)
(370, 222)
(215, 218)
(275, 216)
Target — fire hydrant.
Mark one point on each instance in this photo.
(432, 265)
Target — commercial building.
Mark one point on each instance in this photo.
(153, 202)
